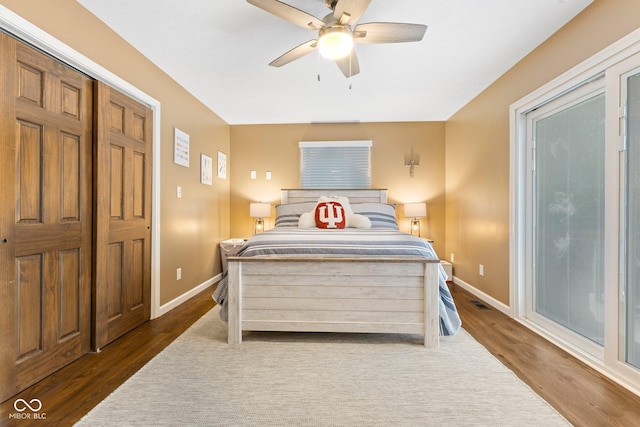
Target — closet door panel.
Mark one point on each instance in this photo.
(70, 178)
(139, 186)
(29, 315)
(115, 282)
(70, 302)
(116, 160)
(30, 153)
(46, 154)
(123, 215)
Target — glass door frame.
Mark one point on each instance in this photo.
(585, 91)
(615, 355)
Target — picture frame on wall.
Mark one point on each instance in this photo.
(222, 165)
(206, 169)
(180, 148)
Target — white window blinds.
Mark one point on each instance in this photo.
(335, 164)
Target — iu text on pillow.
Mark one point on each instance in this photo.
(330, 215)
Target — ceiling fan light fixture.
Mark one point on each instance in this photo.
(335, 42)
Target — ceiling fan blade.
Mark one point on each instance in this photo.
(289, 13)
(388, 32)
(347, 12)
(295, 53)
(349, 64)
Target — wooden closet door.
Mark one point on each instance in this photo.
(45, 215)
(123, 214)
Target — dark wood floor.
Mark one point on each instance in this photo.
(581, 394)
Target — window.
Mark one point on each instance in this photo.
(335, 164)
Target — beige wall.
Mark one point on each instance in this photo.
(191, 227)
(275, 148)
(477, 144)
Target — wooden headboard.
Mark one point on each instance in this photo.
(362, 195)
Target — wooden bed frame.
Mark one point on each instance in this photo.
(334, 294)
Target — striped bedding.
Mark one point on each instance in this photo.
(374, 242)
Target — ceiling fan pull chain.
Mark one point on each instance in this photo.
(350, 70)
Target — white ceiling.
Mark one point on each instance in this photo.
(219, 51)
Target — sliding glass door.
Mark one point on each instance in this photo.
(631, 209)
(575, 253)
(567, 141)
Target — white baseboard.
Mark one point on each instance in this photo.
(165, 308)
(484, 297)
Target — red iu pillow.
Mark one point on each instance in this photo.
(330, 215)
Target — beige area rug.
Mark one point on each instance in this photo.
(296, 379)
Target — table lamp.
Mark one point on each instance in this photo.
(415, 211)
(259, 211)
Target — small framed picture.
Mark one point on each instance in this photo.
(206, 169)
(180, 148)
(222, 165)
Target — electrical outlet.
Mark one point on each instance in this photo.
(452, 258)
(481, 270)
(178, 274)
(179, 192)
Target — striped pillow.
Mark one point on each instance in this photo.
(287, 215)
(381, 215)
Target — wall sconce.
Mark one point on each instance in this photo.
(415, 211)
(411, 161)
(259, 211)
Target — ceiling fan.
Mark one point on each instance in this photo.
(337, 33)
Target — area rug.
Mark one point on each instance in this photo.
(317, 379)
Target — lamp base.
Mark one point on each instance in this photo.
(415, 227)
(259, 226)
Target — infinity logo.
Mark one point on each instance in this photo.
(21, 405)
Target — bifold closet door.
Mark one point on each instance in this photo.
(45, 215)
(123, 214)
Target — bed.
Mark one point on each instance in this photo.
(375, 280)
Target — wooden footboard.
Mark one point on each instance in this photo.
(390, 295)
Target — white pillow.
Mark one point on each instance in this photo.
(358, 221)
(307, 220)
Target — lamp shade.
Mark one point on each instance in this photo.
(259, 210)
(415, 210)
